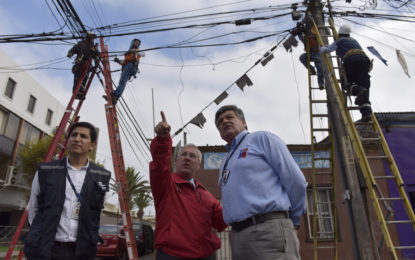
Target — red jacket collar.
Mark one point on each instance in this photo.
(179, 180)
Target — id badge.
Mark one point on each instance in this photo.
(225, 176)
(76, 208)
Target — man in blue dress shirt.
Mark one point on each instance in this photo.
(263, 191)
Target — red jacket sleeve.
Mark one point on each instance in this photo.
(217, 218)
(160, 175)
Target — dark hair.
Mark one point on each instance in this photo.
(91, 127)
(238, 112)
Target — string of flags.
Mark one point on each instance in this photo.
(199, 120)
(401, 58)
(377, 54)
(243, 81)
(402, 61)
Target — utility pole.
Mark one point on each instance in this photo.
(363, 245)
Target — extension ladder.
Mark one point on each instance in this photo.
(117, 156)
(373, 182)
(324, 225)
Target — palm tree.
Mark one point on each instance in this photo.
(142, 200)
(136, 185)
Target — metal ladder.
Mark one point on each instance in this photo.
(322, 170)
(117, 156)
(373, 182)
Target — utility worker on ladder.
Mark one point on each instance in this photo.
(84, 50)
(357, 66)
(309, 35)
(129, 68)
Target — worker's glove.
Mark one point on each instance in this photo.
(117, 60)
(323, 49)
(141, 54)
(371, 65)
(69, 55)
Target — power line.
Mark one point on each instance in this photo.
(61, 36)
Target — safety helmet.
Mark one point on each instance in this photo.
(345, 29)
(91, 34)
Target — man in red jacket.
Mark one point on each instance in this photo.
(185, 210)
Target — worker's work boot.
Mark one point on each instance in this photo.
(365, 118)
(114, 98)
(361, 97)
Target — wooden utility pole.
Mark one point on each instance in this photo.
(359, 222)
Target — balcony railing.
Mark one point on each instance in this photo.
(7, 232)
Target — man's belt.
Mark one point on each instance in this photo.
(258, 219)
(353, 52)
(65, 244)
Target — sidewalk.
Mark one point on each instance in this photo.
(14, 254)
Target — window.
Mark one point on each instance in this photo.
(3, 121)
(31, 105)
(212, 160)
(11, 85)
(12, 126)
(303, 159)
(49, 115)
(324, 213)
(29, 134)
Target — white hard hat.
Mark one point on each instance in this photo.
(345, 29)
(91, 34)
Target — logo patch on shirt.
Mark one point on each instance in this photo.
(243, 152)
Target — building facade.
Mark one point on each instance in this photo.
(27, 113)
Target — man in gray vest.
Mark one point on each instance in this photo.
(66, 201)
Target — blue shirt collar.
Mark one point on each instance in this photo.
(236, 140)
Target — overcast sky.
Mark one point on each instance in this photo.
(186, 80)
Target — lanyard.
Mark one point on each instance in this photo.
(73, 187)
(229, 157)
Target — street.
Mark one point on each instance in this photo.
(145, 257)
(149, 256)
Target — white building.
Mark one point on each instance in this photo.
(27, 113)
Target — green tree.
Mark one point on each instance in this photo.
(142, 201)
(136, 185)
(33, 154)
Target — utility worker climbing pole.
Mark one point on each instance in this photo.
(357, 66)
(309, 35)
(129, 68)
(84, 50)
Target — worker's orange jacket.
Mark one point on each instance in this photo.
(131, 56)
